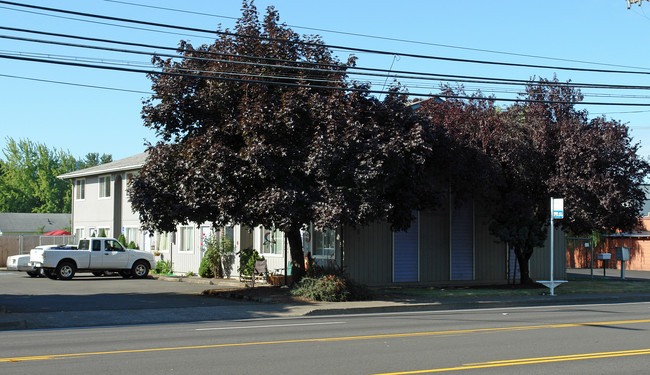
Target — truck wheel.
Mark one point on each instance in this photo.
(65, 270)
(140, 269)
(125, 274)
(34, 273)
(50, 273)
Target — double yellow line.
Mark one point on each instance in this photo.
(371, 337)
(527, 361)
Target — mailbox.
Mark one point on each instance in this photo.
(623, 253)
(604, 256)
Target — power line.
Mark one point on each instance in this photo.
(372, 71)
(75, 84)
(313, 44)
(302, 85)
(386, 38)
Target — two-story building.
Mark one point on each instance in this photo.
(450, 245)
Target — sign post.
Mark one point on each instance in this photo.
(557, 212)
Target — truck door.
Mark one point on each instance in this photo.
(115, 256)
(96, 256)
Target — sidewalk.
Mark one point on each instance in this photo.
(267, 309)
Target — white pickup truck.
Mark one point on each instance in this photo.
(96, 255)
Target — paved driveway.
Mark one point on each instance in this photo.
(20, 293)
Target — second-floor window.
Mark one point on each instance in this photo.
(80, 189)
(105, 186)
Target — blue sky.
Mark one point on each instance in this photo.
(601, 34)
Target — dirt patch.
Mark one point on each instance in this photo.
(265, 294)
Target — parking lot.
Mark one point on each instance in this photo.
(20, 293)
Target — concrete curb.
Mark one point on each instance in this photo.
(479, 304)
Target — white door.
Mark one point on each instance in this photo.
(115, 256)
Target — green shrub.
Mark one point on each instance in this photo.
(218, 257)
(102, 233)
(247, 258)
(132, 245)
(330, 288)
(122, 239)
(163, 266)
(205, 269)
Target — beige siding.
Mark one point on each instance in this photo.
(369, 252)
(540, 261)
(490, 256)
(434, 245)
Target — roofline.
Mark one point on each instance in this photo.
(85, 173)
(131, 163)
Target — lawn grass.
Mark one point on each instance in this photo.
(577, 285)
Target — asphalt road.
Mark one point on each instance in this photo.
(584, 339)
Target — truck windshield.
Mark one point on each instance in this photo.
(84, 244)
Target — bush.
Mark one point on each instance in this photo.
(122, 239)
(163, 266)
(205, 269)
(132, 245)
(218, 257)
(330, 288)
(247, 258)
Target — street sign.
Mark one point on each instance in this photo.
(558, 208)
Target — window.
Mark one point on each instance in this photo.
(78, 233)
(80, 189)
(324, 242)
(272, 241)
(162, 241)
(105, 187)
(229, 233)
(84, 245)
(132, 235)
(112, 245)
(187, 239)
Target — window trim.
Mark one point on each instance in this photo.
(263, 240)
(182, 236)
(167, 242)
(106, 181)
(315, 245)
(138, 236)
(77, 183)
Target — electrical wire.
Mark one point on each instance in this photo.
(314, 44)
(363, 71)
(387, 38)
(76, 84)
(302, 85)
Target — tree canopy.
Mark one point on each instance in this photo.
(280, 153)
(264, 127)
(28, 177)
(545, 147)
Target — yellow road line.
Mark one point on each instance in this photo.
(527, 361)
(328, 339)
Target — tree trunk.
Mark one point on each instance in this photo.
(297, 255)
(523, 256)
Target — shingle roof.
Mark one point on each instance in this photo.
(17, 223)
(127, 164)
